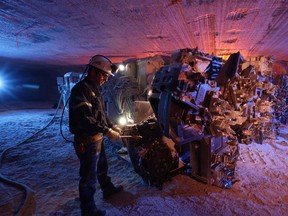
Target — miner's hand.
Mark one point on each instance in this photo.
(113, 135)
(117, 129)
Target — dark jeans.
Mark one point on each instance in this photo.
(93, 164)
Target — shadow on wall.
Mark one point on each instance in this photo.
(31, 82)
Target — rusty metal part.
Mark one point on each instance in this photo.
(131, 136)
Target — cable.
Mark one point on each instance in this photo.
(65, 104)
(27, 197)
(61, 121)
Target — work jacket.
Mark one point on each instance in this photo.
(87, 115)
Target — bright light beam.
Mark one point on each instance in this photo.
(122, 120)
(1, 83)
(121, 67)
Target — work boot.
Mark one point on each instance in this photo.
(111, 190)
(100, 212)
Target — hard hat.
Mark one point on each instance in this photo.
(103, 63)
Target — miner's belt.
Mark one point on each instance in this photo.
(89, 139)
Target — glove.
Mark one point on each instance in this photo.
(117, 129)
(113, 135)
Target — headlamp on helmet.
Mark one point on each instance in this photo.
(103, 64)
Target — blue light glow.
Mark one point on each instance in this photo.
(30, 86)
(5, 85)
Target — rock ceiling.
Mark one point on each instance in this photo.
(71, 31)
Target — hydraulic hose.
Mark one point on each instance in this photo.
(65, 104)
(61, 121)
